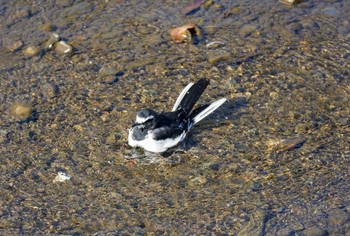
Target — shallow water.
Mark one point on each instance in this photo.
(273, 161)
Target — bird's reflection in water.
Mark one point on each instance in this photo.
(173, 156)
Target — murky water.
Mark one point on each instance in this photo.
(273, 161)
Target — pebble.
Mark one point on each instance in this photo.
(208, 3)
(62, 47)
(298, 226)
(217, 56)
(291, 2)
(191, 7)
(301, 128)
(22, 13)
(54, 38)
(21, 110)
(330, 11)
(111, 139)
(255, 225)
(50, 90)
(314, 231)
(338, 217)
(273, 95)
(199, 180)
(247, 30)
(31, 51)
(61, 177)
(48, 27)
(286, 144)
(347, 228)
(3, 135)
(65, 3)
(111, 69)
(14, 46)
(285, 231)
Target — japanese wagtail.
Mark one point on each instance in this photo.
(157, 132)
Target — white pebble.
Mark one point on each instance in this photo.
(61, 177)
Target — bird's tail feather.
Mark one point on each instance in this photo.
(201, 112)
(190, 95)
(181, 96)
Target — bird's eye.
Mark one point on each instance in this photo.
(142, 128)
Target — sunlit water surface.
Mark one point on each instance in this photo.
(274, 160)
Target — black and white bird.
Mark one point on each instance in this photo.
(157, 132)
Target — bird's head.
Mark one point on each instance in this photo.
(145, 115)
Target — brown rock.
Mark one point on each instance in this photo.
(63, 48)
(14, 46)
(189, 33)
(31, 51)
(21, 111)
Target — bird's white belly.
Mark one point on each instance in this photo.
(152, 145)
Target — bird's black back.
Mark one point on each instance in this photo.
(169, 125)
(192, 96)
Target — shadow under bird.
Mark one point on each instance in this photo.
(157, 132)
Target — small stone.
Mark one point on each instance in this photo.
(48, 27)
(190, 8)
(288, 144)
(297, 226)
(285, 231)
(208, 3)
(31, 51)
(338, 217)
(14, 46)
(218, 7)
(64, 3)
(50, 90)
(22, 13)
(199, 180)
(21, 110)
(217, 56)
(314, 231)
(330, 11)
(247, 30)
(104, 117)
(61, 177)
(3, 135)
(273, 95)
(291, 2)
(54, 38)
(301, 128)
(62, 47)
(111, 69)
(111, 139)
(347, 228)
(78, 128)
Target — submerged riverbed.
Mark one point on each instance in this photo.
(274, 160)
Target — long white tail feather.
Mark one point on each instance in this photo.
(181, 96)
(207, 111)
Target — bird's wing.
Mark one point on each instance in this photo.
(166, 132)
(181, 96)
